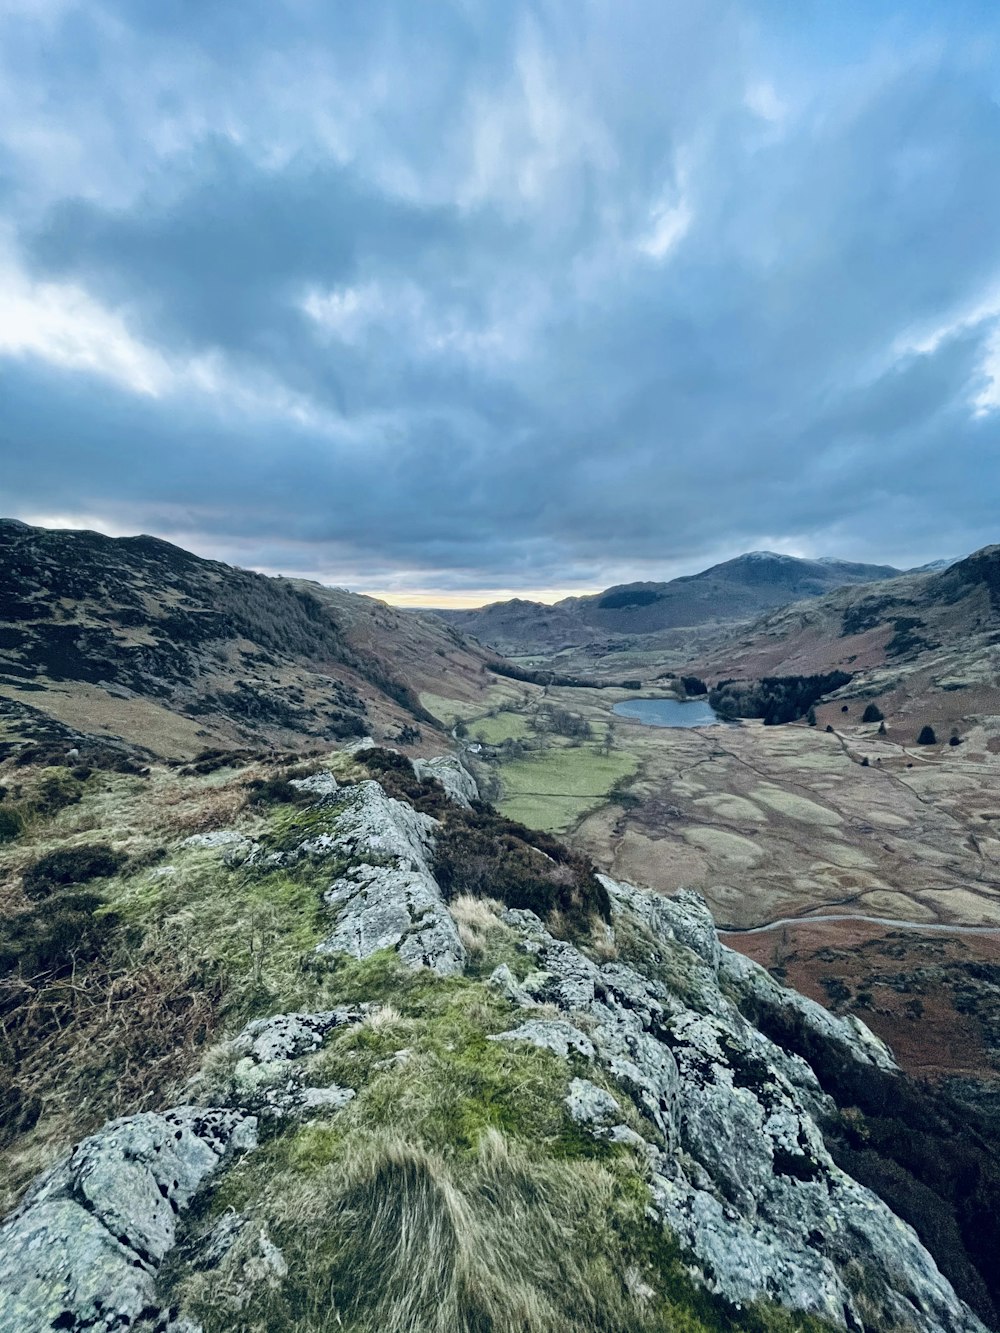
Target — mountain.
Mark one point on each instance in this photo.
(927, 642)
(906, 621)
(139, 642)
(323, 1048)
(736, 590)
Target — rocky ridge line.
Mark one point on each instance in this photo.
(737, 1164)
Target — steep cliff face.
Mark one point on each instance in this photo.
(488, 1124)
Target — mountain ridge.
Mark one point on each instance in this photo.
(735, 590)
(140, 641)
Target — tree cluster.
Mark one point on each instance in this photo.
(776, 699)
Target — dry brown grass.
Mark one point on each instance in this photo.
(186, 810)
(100, 1042)
(476, 919)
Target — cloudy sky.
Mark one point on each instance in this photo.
(457, 297)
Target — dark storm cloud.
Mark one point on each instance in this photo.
(503, 294)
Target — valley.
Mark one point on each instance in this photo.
(220, 819)
(804, 839)
(129, 652)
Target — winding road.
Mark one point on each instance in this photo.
(874, 920)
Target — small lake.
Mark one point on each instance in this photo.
(668, 712)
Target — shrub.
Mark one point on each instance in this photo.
(395, 773)
(11, 824)
(276, 791)
(927, 736)
(55, 792)
(71, 865)
(954, 739)
(481, 853)
(872, 714)
(52, 939)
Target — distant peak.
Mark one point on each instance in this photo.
(766, 555)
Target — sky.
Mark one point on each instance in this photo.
(451, 300)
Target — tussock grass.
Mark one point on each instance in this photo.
(478, 920)
(388, 1236)
(393, 1238)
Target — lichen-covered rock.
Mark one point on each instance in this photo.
(376, 824)
(740, 1171)
(684, 917)
(590, 1105)
(222, 837)
(83, 1248)
(459, 784)
(322, 785)
(267, 1075)
(388, 898)
(550, 1034)
(285, 1036)
(756, 988)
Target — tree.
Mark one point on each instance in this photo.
(460, 728)
(927, 736)
(811, 717)
(872, 714)
(609, 738)
(881, 728)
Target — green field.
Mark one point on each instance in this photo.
(500, 694)
(555, 788)
(503, 727)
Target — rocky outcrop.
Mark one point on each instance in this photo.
(82, 1250)
(323, 786)
(265, 1072)
(740, 1171)
(756, 991)
(666, 1054)
(458, 783)
(388, 897)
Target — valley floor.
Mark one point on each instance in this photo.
(788, 825)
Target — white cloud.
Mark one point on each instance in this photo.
(408, 315)
(63, 325)
(762, 99)
(669, 226)
(984, 314)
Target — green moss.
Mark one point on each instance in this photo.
(290, 826)
(260, 927)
